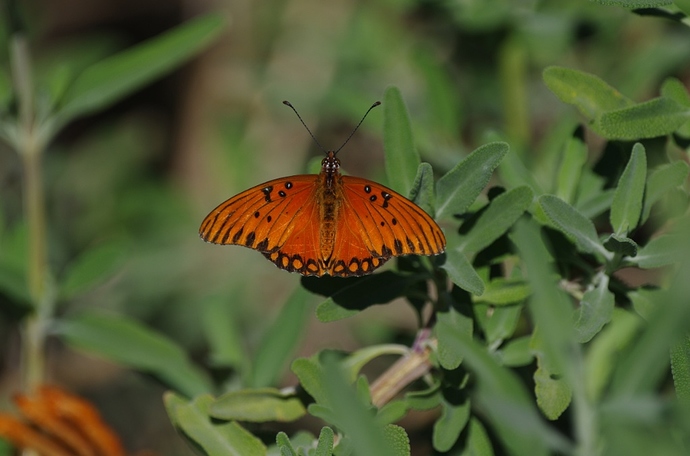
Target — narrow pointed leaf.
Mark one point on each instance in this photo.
(661, 251)
(627, 200)
(460, 186)
(91, 268)
(118, 76)
(214, 438)
(402, 158)
(422, 192)
(589, 93)
(568, 220)
(573, 159)
(257, 405)
(501, 291)
(502, 213)
(132, 344)
(548, 305)
(462, 273)
(658, 117)
(281, 339)
(325, 444)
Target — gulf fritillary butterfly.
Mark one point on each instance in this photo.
(325, 223)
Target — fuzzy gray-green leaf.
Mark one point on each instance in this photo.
(627, 200)
(589, 93)
(460, 186)
(568, 220)
(658, 117)
(501, 214)
(402, 158)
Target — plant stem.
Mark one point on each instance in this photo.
(30, 148)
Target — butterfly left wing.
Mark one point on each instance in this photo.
(274, 218)
(376, 223)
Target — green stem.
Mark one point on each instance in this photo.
(30, 148)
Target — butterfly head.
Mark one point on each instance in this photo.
(330, 164)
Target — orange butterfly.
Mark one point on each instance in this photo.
(325, 223)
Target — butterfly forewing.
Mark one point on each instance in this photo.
(261, 217)
(389, 223)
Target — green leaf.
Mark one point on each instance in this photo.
(214, 438)
(462, 273)
(285, 445)
(496, 220)
(657, 117)
(621, 245)
(449, 322)
(422, 192)
(397, 439)
(517, 352)
(605, 349)
(498, 323)
(553, 394)
(573, 159)
(447, 429)
(325, 444)
(427, 399)
(501, 291)
(257, 405)
(92, 267)
(549, 306)
(311, 377)
(596, 205)
(589, 93)
(661, 251)
(354, 362)
(596, 309)
(680, 367)
(660, 181)
(402, 158)
(281, 339)
(576, 226)
(132, 344)
(115, 77)
(392, 412)
(478, 441)
(360, 293)
(632, 4)
(503, 398)
(627, 200)
(643, 366)
(461, 185)
(675, 90)
(353, 416)
(223, 335)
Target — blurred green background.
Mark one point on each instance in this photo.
(140, 177)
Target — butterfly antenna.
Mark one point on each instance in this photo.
(360, 123)
(287, 103)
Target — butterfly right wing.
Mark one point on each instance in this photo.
(278, 218)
